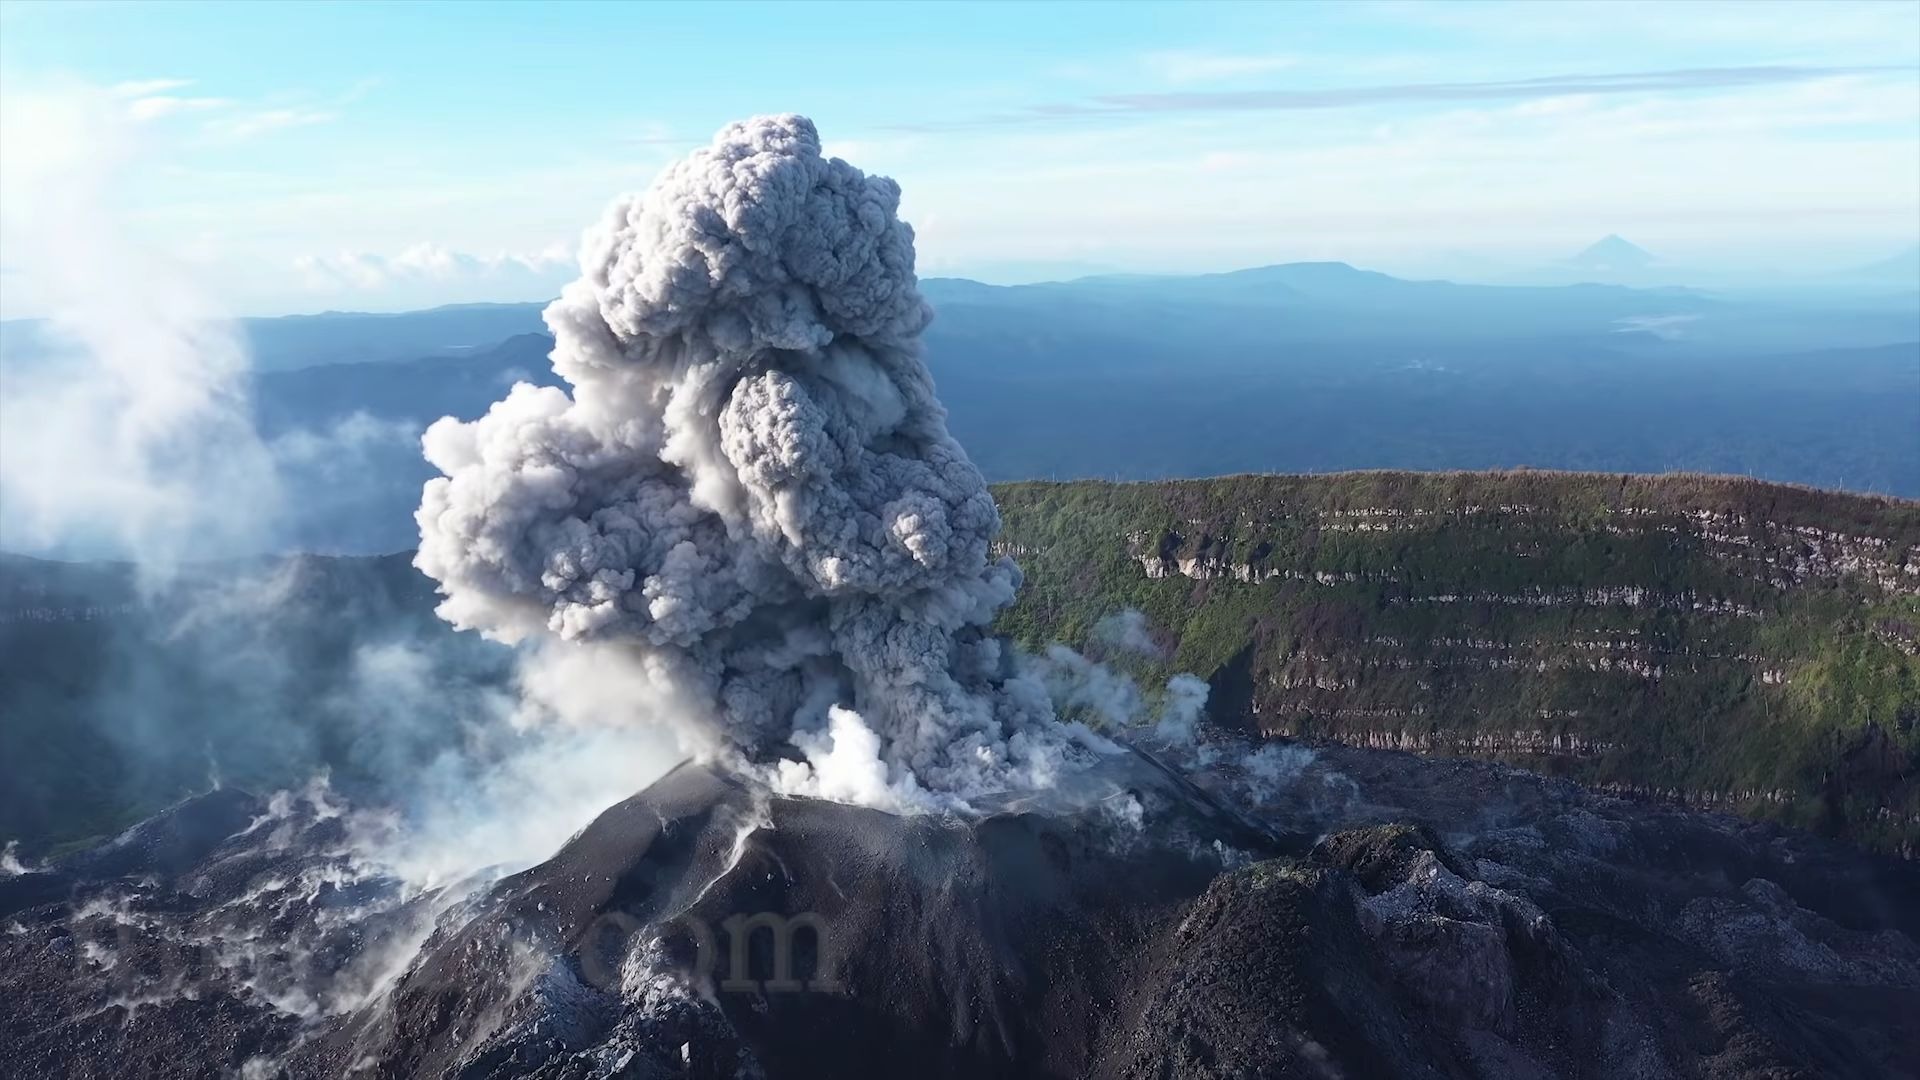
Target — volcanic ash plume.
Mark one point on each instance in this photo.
(750, 493)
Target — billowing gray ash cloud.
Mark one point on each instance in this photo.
(750, 494)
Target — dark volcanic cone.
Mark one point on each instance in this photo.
(812, 938)
(1132, 925)
(706, 929)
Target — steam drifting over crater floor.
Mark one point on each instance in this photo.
(749, 492)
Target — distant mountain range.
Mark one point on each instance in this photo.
(294, 341)
(1903, 268)
(286, 342)
(1616, 260)
(1569, 290)
(1301, 367)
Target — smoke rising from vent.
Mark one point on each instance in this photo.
(129, 433)
(750, 490)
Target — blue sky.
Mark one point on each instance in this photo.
(378, 156)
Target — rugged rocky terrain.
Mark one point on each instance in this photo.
(1734, 645)
(1344, 914)
(1723, 642)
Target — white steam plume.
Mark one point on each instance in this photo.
(750, 490)
(124, 426)
(1127, 630)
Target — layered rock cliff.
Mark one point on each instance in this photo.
(1723, 642)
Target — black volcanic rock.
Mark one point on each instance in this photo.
(1453, 920)
(168, 844)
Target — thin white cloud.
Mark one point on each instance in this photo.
(154, 99)
(429, 262)
(1188, 66)
(1791, 28)
(655, 133)
(253, 124)
(1823, 165)
(159, 106)
(138, 88)
(229, 120)
(1630, 83)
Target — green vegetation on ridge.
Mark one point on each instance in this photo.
(1742, 645)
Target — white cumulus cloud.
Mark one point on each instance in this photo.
(427, 261)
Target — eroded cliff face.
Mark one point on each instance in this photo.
(1773, 552)
(1723, 643)
(1783, 556)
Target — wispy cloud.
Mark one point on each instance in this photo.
(226, 120)
(137, 88)
(252, 124)
(1545, 87)
(158, 106)
(252, 121)
(655, 133)
(154, 99)
(1550, 86)
(1825, 167)
(1187, 66)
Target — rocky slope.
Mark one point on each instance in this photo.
(1735, 645)
(1351, 913)
(1724, 642)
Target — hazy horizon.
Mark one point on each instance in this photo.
(373, 169)
(1879, 277)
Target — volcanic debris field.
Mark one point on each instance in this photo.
(1348, 913)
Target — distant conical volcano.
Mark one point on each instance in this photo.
(1613, 253)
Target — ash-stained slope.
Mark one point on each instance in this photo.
(1373, 914)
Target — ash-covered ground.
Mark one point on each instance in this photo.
(1342, 914)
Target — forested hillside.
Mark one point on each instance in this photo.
(1736, 644)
